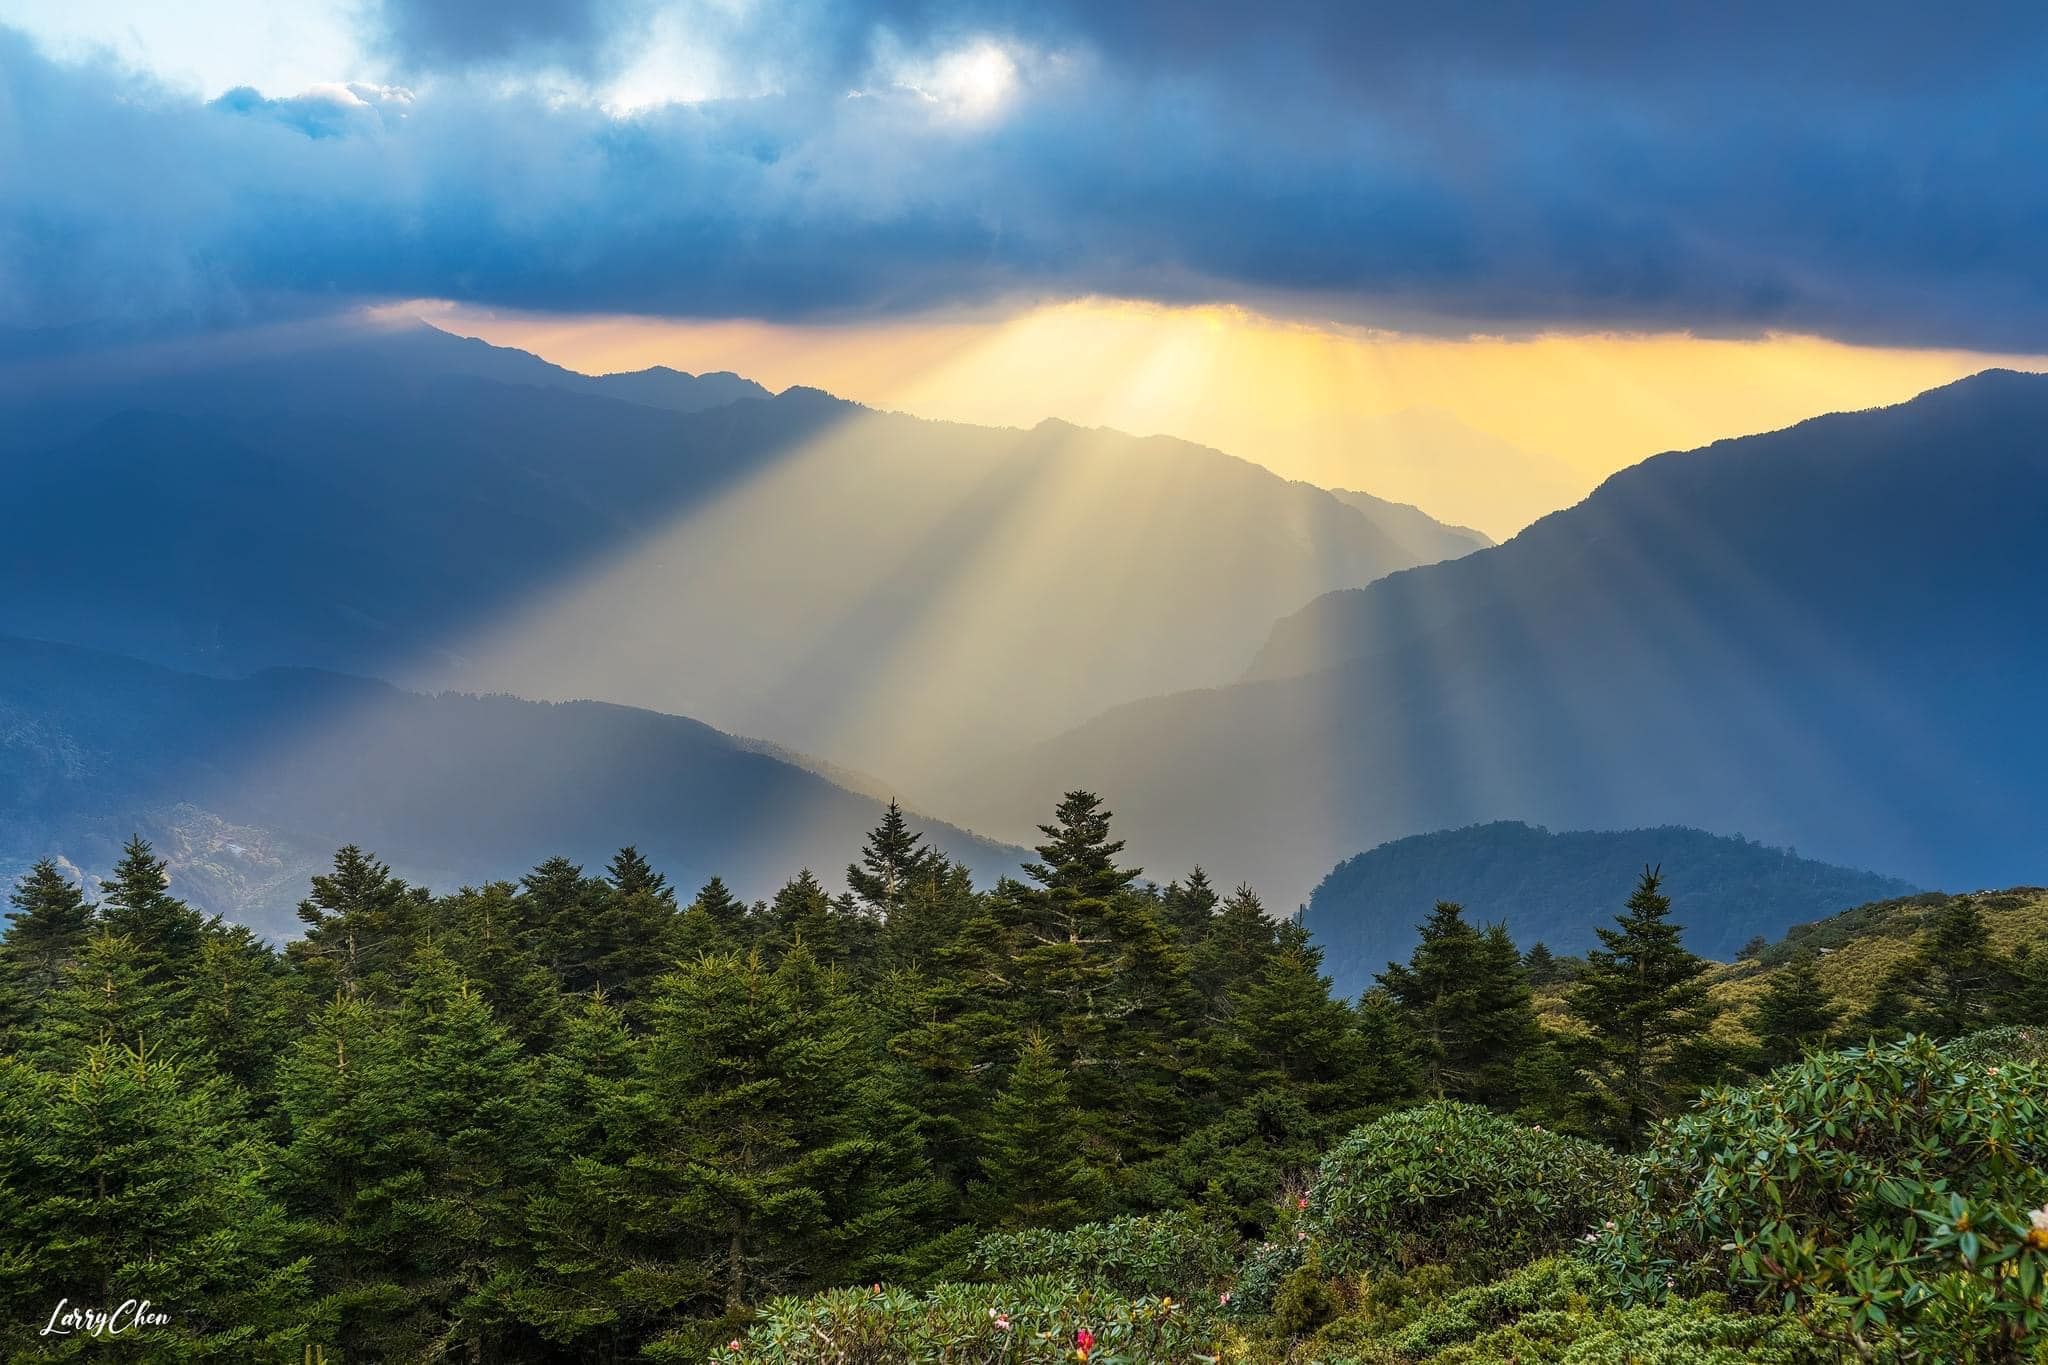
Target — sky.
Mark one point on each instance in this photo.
(1412, 247)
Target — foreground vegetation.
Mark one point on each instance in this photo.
(1074, 1117)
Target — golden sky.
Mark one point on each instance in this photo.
(1488, 431)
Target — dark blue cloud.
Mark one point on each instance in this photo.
(1870, 174)
(444, 34)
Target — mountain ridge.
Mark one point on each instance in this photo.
(840, 580)
(1742, 617)
(290, 763)
(1557, 887)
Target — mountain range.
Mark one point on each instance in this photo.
(908, 597)
(1555, 888)
(247, 786)
(1833, 636)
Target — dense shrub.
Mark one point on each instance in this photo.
(1896, 1197)
(1697, 1331)
(1446, 1183)
(1996, 1046)
(1458, 1185)
(1175, 1254)
(1026, 1322)
(1555, 1310)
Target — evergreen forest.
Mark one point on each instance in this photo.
(590, 1116)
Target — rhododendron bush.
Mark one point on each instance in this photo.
(1032, 1321)
(1895, 1196)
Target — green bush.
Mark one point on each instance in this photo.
(1555, 1284)
(1175, 1254)
(1443, 1184)
(1697, 1331)
(1027, 1322)
(1994, 1046)
(1894, 1197)
(1303, 1302)
(1553, 1310)
(1458, 1185)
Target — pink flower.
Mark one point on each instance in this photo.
(1223, 1299)
(1302, 1202)
(1002, 1322)
(733, 1345)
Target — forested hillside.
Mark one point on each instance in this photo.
(589, 1115)
(1548, 888)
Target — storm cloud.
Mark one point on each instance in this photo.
(1870, 174)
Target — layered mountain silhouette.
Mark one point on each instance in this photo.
(1427, 457)
(1555, 888)
(1833, 636)
(1420, 534)
(906, 597)
(248, 785)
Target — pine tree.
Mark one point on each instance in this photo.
(930, 914)
(1080, 857)
(348, 1175)
(414, 1135)
(1035, 1172)
(46, 931)
(360, 925)
(484, 933)
(2026, 998)
(884, 1190)
(468, 1106)
(1065, 952)
(802, 910)
(569, 1287)
(954, 1026)
(890, 863)
(1503, 1030)
(581, 1075)
(1794, 1013)
(1384, 1031)
(1466, 1007)
(1189, 907)
(559, 918)
(1151, 1085)
(625, 936)
(1236, 948)
(1957, 975)
(1541, 966)
(111, 995)
(632, 875)
(746, 1137)
(240, 1008)
(1890, 1007)
(726, 912)
(131, 1176)
(1641, 1000)
(1289, 1033)
(136, 903)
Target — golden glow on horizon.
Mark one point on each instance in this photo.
(1488, 431)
